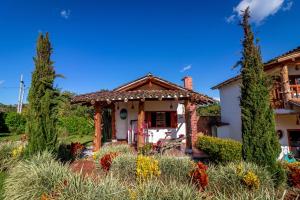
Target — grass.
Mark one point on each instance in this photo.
(83, 139)
(2, 178)
(9, 137)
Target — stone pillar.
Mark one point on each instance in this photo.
(286, 91)
(191, 125)
(98, 127)
(141, 120)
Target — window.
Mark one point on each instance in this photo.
(294, 79)
(161, 119)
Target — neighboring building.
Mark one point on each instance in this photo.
(147, 109)
(285, 100)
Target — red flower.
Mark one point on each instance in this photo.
(199, 176)
(76, 149)
(294, 175)
(106, 160)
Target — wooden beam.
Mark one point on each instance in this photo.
(98, 127)
(188, 126)
(284, 73)
(113, 121)
(141, 120)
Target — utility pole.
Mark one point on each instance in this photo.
(21, 95)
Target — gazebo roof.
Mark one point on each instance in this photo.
(136, 90)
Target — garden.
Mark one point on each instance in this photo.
(118, 171)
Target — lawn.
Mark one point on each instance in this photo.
(2, 177)
(83, 139)
(9, 137)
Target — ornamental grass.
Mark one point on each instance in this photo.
(113, 148)
(124, 167)
(175, 168)
(240, 181)
(10, 154)
(30, 179)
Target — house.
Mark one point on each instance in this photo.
(146, 110)
(285, 99)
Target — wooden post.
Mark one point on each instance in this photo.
(113, 121)
(98, 127)
(188, 126)
(141, 120)
(285, 86)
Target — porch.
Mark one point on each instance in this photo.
(145, 116)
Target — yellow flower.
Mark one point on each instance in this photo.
(251, 180)
(132, 194)
(239, 169)
(16, 152)
(147, 167)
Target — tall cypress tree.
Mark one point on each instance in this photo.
(41, 124)
(260, 142)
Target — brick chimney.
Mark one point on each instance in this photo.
(188, 82)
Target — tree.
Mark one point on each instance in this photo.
(260, 142)
(42, 116)
(210, 110)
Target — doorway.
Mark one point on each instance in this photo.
(294, 142)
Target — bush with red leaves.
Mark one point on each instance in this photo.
(107, 159)
(76, 149)
(199, 176)
(294, 174)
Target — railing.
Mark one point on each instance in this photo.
(295, 91)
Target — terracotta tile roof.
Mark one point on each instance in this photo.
(148, 76)
(267, 64)
(109, 96)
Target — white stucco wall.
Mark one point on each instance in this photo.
(230, 111)
(285, 123)
(123, 126)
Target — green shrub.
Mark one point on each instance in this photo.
(113, 148)
(220, 150)
(225, 182)
(10, 154)
(15, 122)
(76, 125)
(30, 179)
(175, 168)
(124, 167)
(279, 174)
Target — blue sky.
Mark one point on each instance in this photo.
(102, 44)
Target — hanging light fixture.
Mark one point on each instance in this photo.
(171, 106)
(118, 106)
(132, 105)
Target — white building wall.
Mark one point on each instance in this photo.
(123, 126)
(230, 111)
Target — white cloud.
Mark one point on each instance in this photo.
(288, 6)
(1, 82)
(216, 98)
(230, 19)
(188, 67)
(259, 9)
(65, 13)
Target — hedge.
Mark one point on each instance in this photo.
(220, 150)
